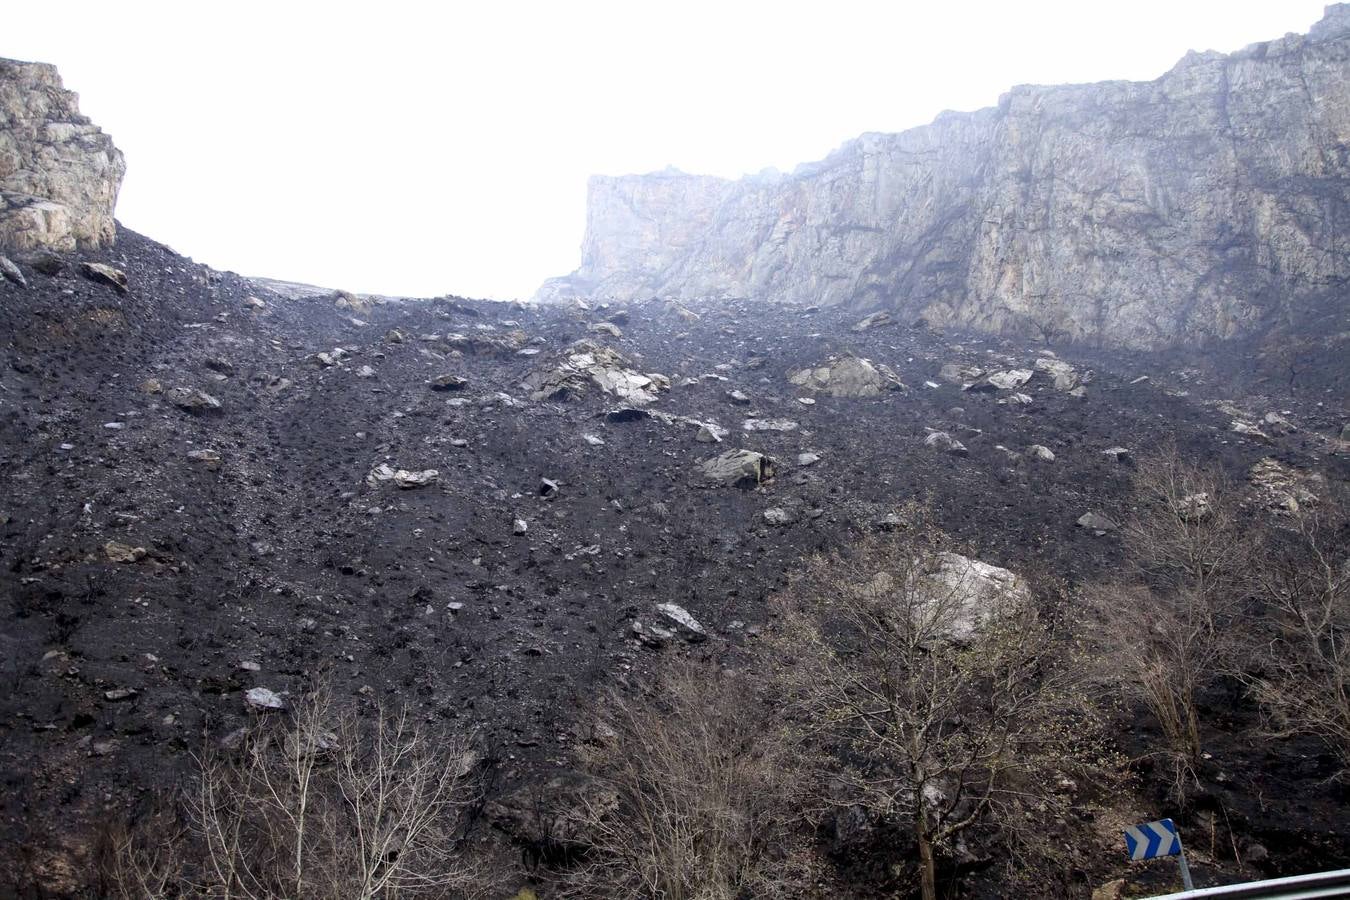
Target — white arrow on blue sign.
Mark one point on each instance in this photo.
(1152, 839)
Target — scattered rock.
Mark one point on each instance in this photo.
(1194, 507)
(682, 311)
(954, 373)
(486, 344)
(448, 383)
(254, 303)
(395, 336)
(875, 320)
(403, 478)
(220, 364)
(769, 425)
(685, 624)
(407, 480)
(1096, 522)
(1064, 375)
(1112, 890)
(1280, 487)
(709, 434)
(1278, 424)
(1246, 429)
(777, 515)
(740, 398)
(102, 274)
(548, 488)
(653, 636)
(587, 363)
(608, 328)
(351, 302)
(594, 440)
(519, 527)
(192, 400)
(1119, 454)
(45, 262)
(1013, 378)
(118, 552)
(208, 458)
(10, 272)
(739, 468)
(982, 589)
(263, 698)
(117, 694)
(1041, 452)
(946, 443)
(848, 376)
(807, 459)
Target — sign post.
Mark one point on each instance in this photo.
(1154, 839)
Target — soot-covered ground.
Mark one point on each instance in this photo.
(274, 549)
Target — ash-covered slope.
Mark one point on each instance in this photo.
(1212, 203)
(162, 554)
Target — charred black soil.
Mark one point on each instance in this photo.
(282, 554)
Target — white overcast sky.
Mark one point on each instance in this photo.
(425, 148)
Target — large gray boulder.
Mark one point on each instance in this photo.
(848, 376)
(951, 596)
(740, 468)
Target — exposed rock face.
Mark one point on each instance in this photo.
(1209, 203)
(59, 174)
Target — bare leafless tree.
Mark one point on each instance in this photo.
(954, 701)
(1169, 626)
(700, 793)
(322, 804)
(1301, 662)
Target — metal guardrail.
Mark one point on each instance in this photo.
(1299, 887)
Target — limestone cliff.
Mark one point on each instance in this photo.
(59, 174)
(1211, 203)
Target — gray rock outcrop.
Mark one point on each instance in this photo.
(1210, 203)
(849, 376)
(59, 174)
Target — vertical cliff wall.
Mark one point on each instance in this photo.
(1211, 203)
(59, 174)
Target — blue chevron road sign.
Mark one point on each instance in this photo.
(1152, 839)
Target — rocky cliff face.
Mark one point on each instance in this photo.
(59, 174)
(1211, 203)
